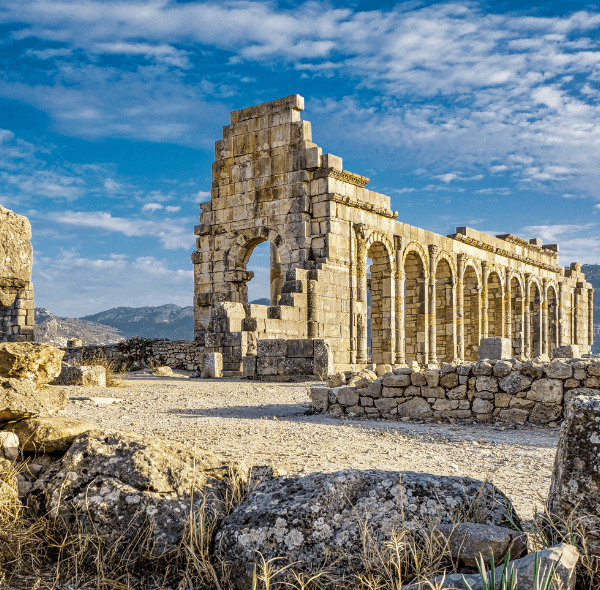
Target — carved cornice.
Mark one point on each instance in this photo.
(364, 206)
(349, 177)
(547, 251)
(506, 254)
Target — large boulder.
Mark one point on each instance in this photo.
(49, 435)
(117, 483)
(40, 363)
(575, 485)
(20, 399)
(304, 518)
(92, 375)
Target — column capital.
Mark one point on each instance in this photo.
(433, 249)
(485, 265)
(398, 242)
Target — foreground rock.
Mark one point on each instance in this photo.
(563, 557)
(37, 362)
(49, 435)
(9, 446)
(84, 375)
(305, 518)
(575, 486)
(119, 483)
(20, 399)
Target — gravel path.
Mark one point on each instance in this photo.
(268, 423)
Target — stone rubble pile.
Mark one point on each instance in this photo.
(506, 390)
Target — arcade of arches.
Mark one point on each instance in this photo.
(433, 297)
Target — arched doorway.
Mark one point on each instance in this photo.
(415, 309)
(381, 304)
(444, 306)
(516, 315)
(472, 313)
(494, 306)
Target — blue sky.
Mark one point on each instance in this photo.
(464, 113)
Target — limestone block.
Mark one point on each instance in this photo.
(574, 489)
(482, 369)
(502, 400)
(346, 396)
(271, 348)
(464, 370)
(481, 406)
(459, 392)
(437, 392)
(212, 365)
(295, 366)
(74, 343)
(449, 381)
(418, 379)
(300, 348)
(522, 403)
(413, 390)
(592, 382)
(385, 404)
(571, 383)
(383, 369)
(515, 382)
(323, 358)
(336, 380)
(319, 397)
(397, 381)
(94, 376)
(502, 369)
(249, 367)
(559, 370)
(544, 413)
(513, 415)
(568, 351)
(494, 348)
(549, 391)
(486, 384)
(593, 369)
(40, 363)
(485, 394)
(374, 389)
(9, 445)
(532, 369)
(433, 378)
(266, 366)
(416, 407)
(392, 391)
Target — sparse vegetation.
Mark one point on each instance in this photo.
(99, 358)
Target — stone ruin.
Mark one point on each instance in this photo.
(16, 290)
(433, 298)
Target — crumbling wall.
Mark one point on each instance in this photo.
(16, 290)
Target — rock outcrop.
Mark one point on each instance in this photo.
(20, 399)
(305, 518)
(39, 363)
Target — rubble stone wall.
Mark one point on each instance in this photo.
(508, 391)
(433, 297)
(16, 290)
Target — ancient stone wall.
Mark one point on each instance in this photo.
(508, 391)
(16, 290)
(433, 297)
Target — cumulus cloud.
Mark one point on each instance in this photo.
(171, 233)
(579, 243)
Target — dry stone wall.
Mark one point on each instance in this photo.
(16, 290)
(433, 297)
(506, 390)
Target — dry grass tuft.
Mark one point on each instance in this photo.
(10, 506)
(99, 358)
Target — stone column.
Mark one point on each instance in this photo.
(562, 317)
(544, 318)
(400, 285)
(453, 289)
(312, 302)
(460, 296)
(361, 277)
(575, 312)
(485, 273)
(591, 316)
(276, 276)
(433, 252)
(508, 309)
(353, 297)
(527, 314)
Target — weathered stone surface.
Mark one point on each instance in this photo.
(486, 384)
(549, 391)
(271, 347)
(449, 381)
(212, 365)
(481, 406)
(532, 369)
(437, 392)
(249, 367)
(502, 400)
(482, 369)
(559, 370)
(502, 369)
(300, 347)
(568, 351)
(386, 404)
(564, 557)
(40, 363)
(515, 382)
(374, 389)
(397, 381)
(319, 397)
(433, 378)
(467, 540)
(158, 371)
(416, 407)
(307, 517)
(119, 482)
(575, 485)
(494, 348)
(392, 391)
(346, 396)
(323, 358)
(418, 379)
(49, 435)
(336, 380)
(9, 445)
(593, 369)
(459, 392)
(516, 415)
(89, 375)
(545, 413)
(21, 399)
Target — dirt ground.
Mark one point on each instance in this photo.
(270, 424)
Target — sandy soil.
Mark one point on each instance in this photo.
(270, 424)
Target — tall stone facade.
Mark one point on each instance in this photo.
(16, 290)
(332, 240)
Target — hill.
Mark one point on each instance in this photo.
(56, 330)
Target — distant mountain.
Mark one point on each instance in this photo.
(592, 275)
(263, 301)
(55, 330)
(166, 321)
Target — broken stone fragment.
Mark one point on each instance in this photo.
(40, 363)
(20, 399)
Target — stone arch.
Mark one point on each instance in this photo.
(535, 317)
(551, 302)
(239, 254)
(382, 271)
(443, 255)
(444, 306)
(471, 308)
(414, 264)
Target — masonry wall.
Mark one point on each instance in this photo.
(508, 391)
(16, 290)
(433, 297)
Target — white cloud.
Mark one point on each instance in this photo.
(152, 207)
(172, 209)
(171, 233)
(201, 197)
(579, 243)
